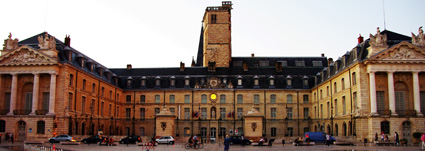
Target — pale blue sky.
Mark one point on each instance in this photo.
(161, 33)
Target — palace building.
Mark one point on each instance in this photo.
(49, 88)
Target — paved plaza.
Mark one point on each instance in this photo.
(213, 147)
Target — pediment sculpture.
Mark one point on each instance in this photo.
(25, 56)
(419, 40)
(378, 39)
(46, 42)
(10, 44)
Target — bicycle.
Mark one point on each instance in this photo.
(197, 146)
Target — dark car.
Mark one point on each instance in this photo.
(131, 140)
(238, 140)
(91, 139)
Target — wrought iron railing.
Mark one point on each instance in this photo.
(406, 112)
(384, 112)
(21, 112)
(4, 112)
(41, 112)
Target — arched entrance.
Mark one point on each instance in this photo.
(407, 131)
(83, 129)
(21, 131)
(329, 129)
(336, 129)
(344, 129)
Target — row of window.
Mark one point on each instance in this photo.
(93, 88)
(204, 98)
(40, 126)
(335, 107)
(283, 63)
(335, 86)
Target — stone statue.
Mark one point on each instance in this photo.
(420, 39)
(378, 39)
(10, 44)
(46, 42)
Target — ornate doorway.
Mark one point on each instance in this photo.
(21, 131)
(407, 131)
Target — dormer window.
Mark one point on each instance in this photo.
(305, 82)
(271, 81)
(92, 66)
(173, 81)
(256, 81)
(143, 81)
(82, 62)
(157, 81)
(288, 81)
(129, 81)
(240, 82)
(186, 81)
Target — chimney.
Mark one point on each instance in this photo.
(330, 61)
(67, 40)
(323, 54)
(128, 66)
(252, 55)
(181, 66)
(360, 39)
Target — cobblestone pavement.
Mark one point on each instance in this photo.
(216, 147)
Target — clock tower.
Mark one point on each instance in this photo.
(217, 35)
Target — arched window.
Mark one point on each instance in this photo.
(71, 79)
(84, 84)
(2, 126)
(385, 127)
(40, 127)
(401, 93)
(336, 129)
(342, 84)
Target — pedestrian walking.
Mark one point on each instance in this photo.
(328, 140)
(423, 141)
(227, 143)
(397, 139)
(11, 137)
(382, 136)
(242, 140)
(7, 136)
(376, 136)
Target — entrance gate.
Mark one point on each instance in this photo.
(407, 131)
(21, 131)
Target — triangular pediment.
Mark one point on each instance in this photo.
(403, 51)
(25, 55)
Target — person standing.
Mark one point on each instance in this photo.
(11, 137)
(423, 141)
(376, 136)
(328, 140)
(227, 143)
(242, 140)
(382, 136)
(397, 139)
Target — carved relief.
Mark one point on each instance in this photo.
(420, 39)
(378, 39)
(27, 57)
(46, 42)
(163, 125)
(403, 54)
(10, 44)
(253, 126)
(214, 83)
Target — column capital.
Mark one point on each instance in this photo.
(35, 73)
(390, 71)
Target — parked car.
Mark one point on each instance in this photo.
(131, 139)
(238, 140)
(165, 140)
(60, 138)
(91, 139)
(318, 137)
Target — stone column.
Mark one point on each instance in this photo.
(372, 92)
(52, 96)
(35, 93)
(13, 93)
(416, 94)
(391, 94)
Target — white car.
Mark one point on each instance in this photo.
(165, 140)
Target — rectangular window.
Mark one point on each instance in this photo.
(256, 99)
(172, 98)
(240, 112)
(222, 98)
(142, 98)
(306, 113)
(335, 88)
(127, 113)
(69, 101)
(289, 113)
(399, 101)
(422, 101)
(46, 100)
(355, 100)
(329, 110)
(321, 111)
(336, 107)
(299, 63)
(273, 99)
(290, 131)
(40, 127)
(186, 98)
(110, 95)
(186, 113)
(93, 88)
(380, 100)
(264, 63)
(128, 99)
(240, 99)
(321, 94)
(213, 18)
(186, 131)
(157, 99)
(289, 98)
(2, 126)
(305, 99)
(284, 63)
(273, 132)
(173, 111)
(204, 113)
(273, 113)
(101, 108)
(110, 109)
(83, 105)
(344, 109)
(92, 106)
(317, 64)
(28, 101)
(223, 113)
(204, 98)
(142, 113)
(118, 111)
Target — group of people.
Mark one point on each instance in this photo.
(299, 140)
(9, 137)
(383, 137)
